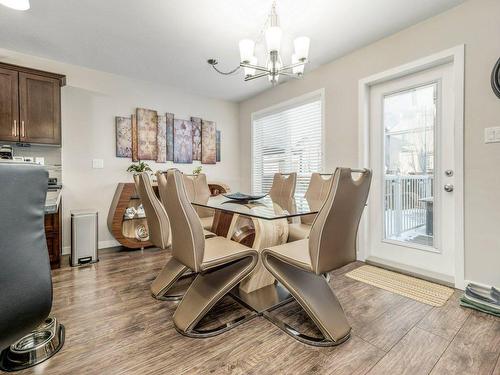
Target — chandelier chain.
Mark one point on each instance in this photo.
(226, 73)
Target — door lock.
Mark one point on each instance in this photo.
(448, 173)
(448, 188)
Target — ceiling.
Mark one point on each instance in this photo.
(169, 41)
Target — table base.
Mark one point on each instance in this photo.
(263, 299)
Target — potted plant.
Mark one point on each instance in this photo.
(139, 167)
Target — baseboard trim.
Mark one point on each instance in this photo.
(467, 282)
(66, 250)
(420, 273)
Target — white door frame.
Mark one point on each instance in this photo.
(455, 55)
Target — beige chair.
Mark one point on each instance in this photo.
(220, 263)
(283, 186)
(161, 177)
(173, 271)
(198, 191)
(316, 193)
(156, 216)
(300, 265)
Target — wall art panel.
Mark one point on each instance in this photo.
(147, 130)
(183, 141)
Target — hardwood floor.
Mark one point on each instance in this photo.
(114, 326)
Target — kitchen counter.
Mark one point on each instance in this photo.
(52, 201)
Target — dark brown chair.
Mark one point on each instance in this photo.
(300, 265)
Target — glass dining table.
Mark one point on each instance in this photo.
(268, 219)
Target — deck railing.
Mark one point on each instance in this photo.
(403, 206)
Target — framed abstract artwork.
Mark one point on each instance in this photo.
(123, 137)
(183, 141)
(218, 142)
(161, 140)
(170, 136)
(147, 130)
(208, 142)
(135, 151)
(196, 138)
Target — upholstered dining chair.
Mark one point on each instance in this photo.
(220, 263)
(283, 185)
(300, 265)
(198, 191)
(317, 191)
(173, 271)
(156, 216)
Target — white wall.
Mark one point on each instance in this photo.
(90, 101)
(475, 24)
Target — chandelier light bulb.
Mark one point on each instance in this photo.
(301, 45)
(273, 38)
(16, 4)
(246, 50)
(251, 71)
(297, 69)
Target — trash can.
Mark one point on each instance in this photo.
(83, 237)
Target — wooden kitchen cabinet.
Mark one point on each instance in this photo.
(39, 109)
(9, 105)
(53, 235)
(30, 105)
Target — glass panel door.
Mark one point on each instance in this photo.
(409, 121)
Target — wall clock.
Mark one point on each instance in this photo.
(495, 79)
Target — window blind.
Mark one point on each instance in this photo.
(287, 139)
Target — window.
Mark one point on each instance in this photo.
(288, 138)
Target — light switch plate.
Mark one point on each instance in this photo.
(492, 135)
(97, 163)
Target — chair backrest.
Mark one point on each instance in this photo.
(25, 279)
(283, 185)
(332, 241)
(198, 191)
(317, 191)
(161, 178)
(158, 223)
(188, 240)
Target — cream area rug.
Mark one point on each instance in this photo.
(411, 287)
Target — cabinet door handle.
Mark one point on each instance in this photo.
(22, 129)
(14, 129)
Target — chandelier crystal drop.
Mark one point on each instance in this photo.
(273, 66)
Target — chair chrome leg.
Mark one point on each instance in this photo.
(309, 340)
(204, 333)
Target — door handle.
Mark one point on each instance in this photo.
(448, 188)
(22, 129)
(14, 129)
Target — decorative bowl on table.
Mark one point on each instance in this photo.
(244, 197)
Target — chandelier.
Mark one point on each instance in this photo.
(273, 66)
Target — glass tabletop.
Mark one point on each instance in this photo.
(264, 208)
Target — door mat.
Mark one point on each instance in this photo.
(411, 287)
